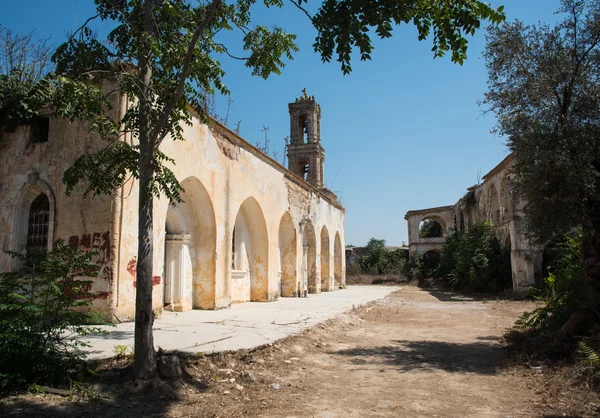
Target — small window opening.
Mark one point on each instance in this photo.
(304, 129)
(40, 129)
(38, 223)
(303, 168)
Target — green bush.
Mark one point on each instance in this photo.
(379, 260)
(565, 290)
(414, 267)
(475, 261)
(41, 305)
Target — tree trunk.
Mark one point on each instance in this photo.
(591, 262)
(144, 354)
(144, 362)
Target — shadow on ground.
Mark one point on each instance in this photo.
(484, 357)
(452, 296)
(120, 397)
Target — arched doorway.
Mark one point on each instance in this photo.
(309, 261)
(250, 257)
(287, 256)
(325, 275)
(338, 279)
(190, 245)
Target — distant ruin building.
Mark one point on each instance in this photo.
(247, 230)
(494, 202)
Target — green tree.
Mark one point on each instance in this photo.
(164, 55)
(431, 229)
(544, 87)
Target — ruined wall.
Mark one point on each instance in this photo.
(491, 201)
(28, 169)
(421, 245)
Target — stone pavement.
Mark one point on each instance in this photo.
(243, 326)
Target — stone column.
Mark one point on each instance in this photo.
(177, 247)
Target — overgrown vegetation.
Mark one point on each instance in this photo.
(380, 260)
(41, 306)
(430, 229)
(475, 261)
(566, 312)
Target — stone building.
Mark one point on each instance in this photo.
(491, 201)
(248, 229)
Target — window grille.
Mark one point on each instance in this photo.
(39, 222)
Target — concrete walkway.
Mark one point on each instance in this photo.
(243, 326)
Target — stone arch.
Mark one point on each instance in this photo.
(325, 260)
(440, 220)
(29, 192)
(507, 241)
(338, 276)
(493, 205)
(309, 260)
(506, 196)
(287, 255)
(250, 243)
(190, 246)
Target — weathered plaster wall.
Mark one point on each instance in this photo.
(87, 223)
(234, 175)
(222, 175)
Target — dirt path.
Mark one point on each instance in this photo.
(414, 353)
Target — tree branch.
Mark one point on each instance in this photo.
(162, 121)
(229, 54)
(303, 10)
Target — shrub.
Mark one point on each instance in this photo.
(414, 267)
(475, 261)
(565, 290)
(40, 306)
(379, 260)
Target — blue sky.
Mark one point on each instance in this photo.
(401, 132)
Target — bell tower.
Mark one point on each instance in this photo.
(305, 153)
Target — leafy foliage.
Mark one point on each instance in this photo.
(414, 268)
(544, 87)
(380, 260)
(475, 261)
(430, 229)
(565, 290)
(343, 25)
(40, 306)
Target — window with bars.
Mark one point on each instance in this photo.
(39, 222)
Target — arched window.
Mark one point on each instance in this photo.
(38, 223)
